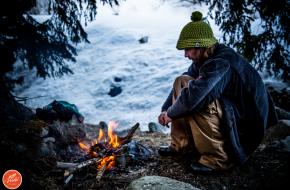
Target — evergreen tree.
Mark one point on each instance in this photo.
(46, 47)
(266, 47)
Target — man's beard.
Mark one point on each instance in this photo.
(198, 63)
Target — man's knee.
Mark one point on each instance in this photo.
(183, 79)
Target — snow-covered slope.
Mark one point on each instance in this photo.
(146, 70)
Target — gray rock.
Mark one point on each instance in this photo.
(44, 132)
(281, 145)
(47, 148)
(278, 136)
(117, 79)
(154, 127)
(282, 114)
(277, 132)
(115, 90)
(20, 148)
(159, 183)
(66, 134)
(76, 120)
(143, 40)
(103, 125)
(286, 144)
(49, 140)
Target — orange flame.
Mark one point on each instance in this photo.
(111, 139)
(84, 147)
(101, 135)
(109, 161)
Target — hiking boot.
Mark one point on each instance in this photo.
(199, 168)
(167, 151)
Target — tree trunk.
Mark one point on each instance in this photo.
(10, 108)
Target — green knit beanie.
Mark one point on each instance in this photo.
(196, 33)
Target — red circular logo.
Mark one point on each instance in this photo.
(12, 179)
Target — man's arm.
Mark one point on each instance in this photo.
(193, 72)
(168, 102)
(214, 77)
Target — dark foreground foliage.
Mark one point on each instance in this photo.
(45, 46)
(42, 46)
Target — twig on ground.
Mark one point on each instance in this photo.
(65, 165)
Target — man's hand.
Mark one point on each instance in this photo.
(163, 119)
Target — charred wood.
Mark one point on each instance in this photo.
(128, 137)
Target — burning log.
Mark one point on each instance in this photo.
(100, 150)
(102, 171)
(111, 146)
(128, 137)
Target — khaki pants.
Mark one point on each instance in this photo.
(200, 131)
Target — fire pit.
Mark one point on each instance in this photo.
(108, 152)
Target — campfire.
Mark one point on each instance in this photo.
(107, 152)
(104, 147)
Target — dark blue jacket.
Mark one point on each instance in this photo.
(247, 106)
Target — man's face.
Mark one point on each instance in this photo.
(194, 54)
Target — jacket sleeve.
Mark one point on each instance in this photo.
(214, 76)
(168, 102)
(192, 71)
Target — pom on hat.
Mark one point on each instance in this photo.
(196, 16)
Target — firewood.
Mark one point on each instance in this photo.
(102, 152)
(101, 171)
(65, 165)
(81, 165)
(128, 137)
(67, 180)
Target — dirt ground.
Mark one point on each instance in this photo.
(267, 168)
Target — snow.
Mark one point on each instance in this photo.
(147, 70)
